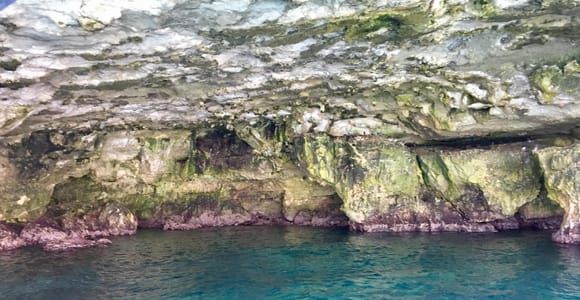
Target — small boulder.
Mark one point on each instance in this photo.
(115, 219)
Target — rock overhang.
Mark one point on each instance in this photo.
(239, 112)
(426, 69)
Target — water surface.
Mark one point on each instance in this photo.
(297, 263)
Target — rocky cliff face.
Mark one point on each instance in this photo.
(408, 115)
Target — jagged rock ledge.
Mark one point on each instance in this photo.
(411, 115)
(81, 187)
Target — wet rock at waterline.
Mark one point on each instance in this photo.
(9, 238)
(68, 232)
(385, 116)
(390, 187)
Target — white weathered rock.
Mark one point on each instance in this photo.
(150, 64)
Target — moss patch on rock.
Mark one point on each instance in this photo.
(561, 169)
(369, 177)
(501, 180)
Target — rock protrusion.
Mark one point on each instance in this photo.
(9, 238)
(68, 232)
(561, 169)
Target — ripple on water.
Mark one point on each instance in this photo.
(296, 262)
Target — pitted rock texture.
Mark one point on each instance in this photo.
(411, 115)
(57, 233)
(390, 187)
(10, 238)
(562, 179)
(104, 183)
(422, 69)
(501, 179)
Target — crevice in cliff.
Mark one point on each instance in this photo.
(533, 214)
(425, 183)
(221, 149)
(30, 155)
(489, 141)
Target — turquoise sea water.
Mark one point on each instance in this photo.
(299, 263)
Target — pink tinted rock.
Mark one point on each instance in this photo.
(9, 238)
(42, 232)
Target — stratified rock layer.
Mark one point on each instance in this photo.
(412, 69)
(412, 115)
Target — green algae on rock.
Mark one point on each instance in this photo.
(370, 177)
(499, 180)
(535, 213)
(412, 115)
(387, 187)
(561, 169)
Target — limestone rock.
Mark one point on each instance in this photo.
(74, 232)
(9, 238)
(561, 168)
(185, 114)
(541, 208)
(42, 231)
(542, 213)
(120, 146)
(380, 184)
(435, 68)
(117, 220)
(308, 203)
(483, 184)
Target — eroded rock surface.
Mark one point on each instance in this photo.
(72, 231)
(10, 238)
(421, 69)
(391, 187)
(562, 180)
(413, 115)
(483, 185)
